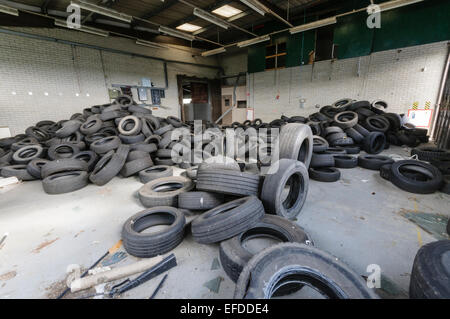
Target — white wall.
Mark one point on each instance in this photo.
(31, 65)
(400, 77)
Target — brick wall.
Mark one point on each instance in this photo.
(48, 80)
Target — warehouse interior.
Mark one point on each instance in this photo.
(88, 84)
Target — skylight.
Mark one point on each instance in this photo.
(188, 27)
(227, 11)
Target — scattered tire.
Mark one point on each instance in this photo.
(325, 174)
(234, 256)
(105, 145)
(296, 142)
(199, 200)
(431, 183)
(65, 182)
(155, 172)
(34, 167)
(64, 150)
(26, 154)
(228, 182)
(214, 225)
(322, 160)
(374, 143)
(374, 162)
(319, 144)
(19, 171)
(445, 188)
(430, 153)
(430, 275)
(278, 266)
(109, 166)
(346, 119)
(146, 245)
(164, 191)
(345, 161)
(63, 165)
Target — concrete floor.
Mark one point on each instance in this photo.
(361, 219)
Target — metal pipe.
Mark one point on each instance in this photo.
(51, 39)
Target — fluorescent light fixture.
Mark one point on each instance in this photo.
(210, 18)
(176, 33)
(227, 11)
(213, 52)
(188, 27)
(9, 10)
(257, 6)
(396, 4)
(102, 10)
(247, 43)
(63, 23)
(150, 44)
(313, 25)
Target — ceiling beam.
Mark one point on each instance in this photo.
(192, 17)
(165, 6)
(44, 6)
(92, 15)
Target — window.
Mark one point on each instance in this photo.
(276, 56)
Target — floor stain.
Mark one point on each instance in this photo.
(44, 244)
(8, 275)
(433, 224)
(49, 233)
(79, 233)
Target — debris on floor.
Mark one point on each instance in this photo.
(214, 284)
(434, 224)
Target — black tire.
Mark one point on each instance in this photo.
(335, 136)
(374, 143)
(132, 139)
(346, 141)
(135, 166)
(412, 185)
(174, 121)
(109, 166)
(155, 172)
(374, 162)
(19, 171)
(163, 129)
(106, 144)
(191, 172)
(26, 154)
(350, 149)
(282, 174)
(164, 191)
(241, 214)
(385, 171)
(430, 275)
(233, 256)
(129, 125)
(91, 126)
(89, 157)
(325, 174)
(63, 150)
(322, 160)
(377, 123)
(345, 161)
(346, 119)
(34, 167)
(63, 165)
(355, 135)
(442, 165)
(199, 200)
(296, 142)
(276, 266)
(430, 153)
(68, 128)
(332, 130)
(336, 150)
(319, 144)
(361, 130)
(145, 245)
(445, 188)
(228, 182)
(65, 182)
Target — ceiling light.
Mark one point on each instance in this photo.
(102, 10)
(188, 27)
(396, 4)
(176, 33)
(213, 52)
(63, 23)
(257, 6)
(210, 18)
(9, 10)
(313, 25)
(227, 11)
(253, 41)
(150, 44)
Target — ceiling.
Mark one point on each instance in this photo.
(149, 14)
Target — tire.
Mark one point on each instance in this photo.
(163, 129)
(151, 194)
(355, 135)
(65, 182)
(445, 188)
(214, 163)
(19, 171)
(332, 130)
(374, 143)
(109, 166)
(346, 119)
(174, 121)
(272, 268)
(26, 154)
(296, 142)
(361, 130)
(319, 144)
(350, 149)
(135, 128)
(146, 245)
(199, 200)
(34, 167)
(430, 153)
(285, 172)
(322, 160)
(325, 174)
(228, 182)
(345, 161)
(68, 128)
(63, 165)
(430, 275)
(91, 126)
(335, 136)
(104, 145)
(135, 166)
(155, 172)
(335, 150)
(385, 171)
(89, 157)
(191, 172)
(233, 256)
(413, 185)
(134, 155)
(346, 141)
(61, 151)
(374, 162)
(342, 104)
(241, 214)
(442, 165)
(377, 123)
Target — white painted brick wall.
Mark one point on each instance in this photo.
(393, 76)
(31, 65)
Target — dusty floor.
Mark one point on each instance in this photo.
(361, 219)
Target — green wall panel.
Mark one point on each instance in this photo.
(298, 47)
(256, 58)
